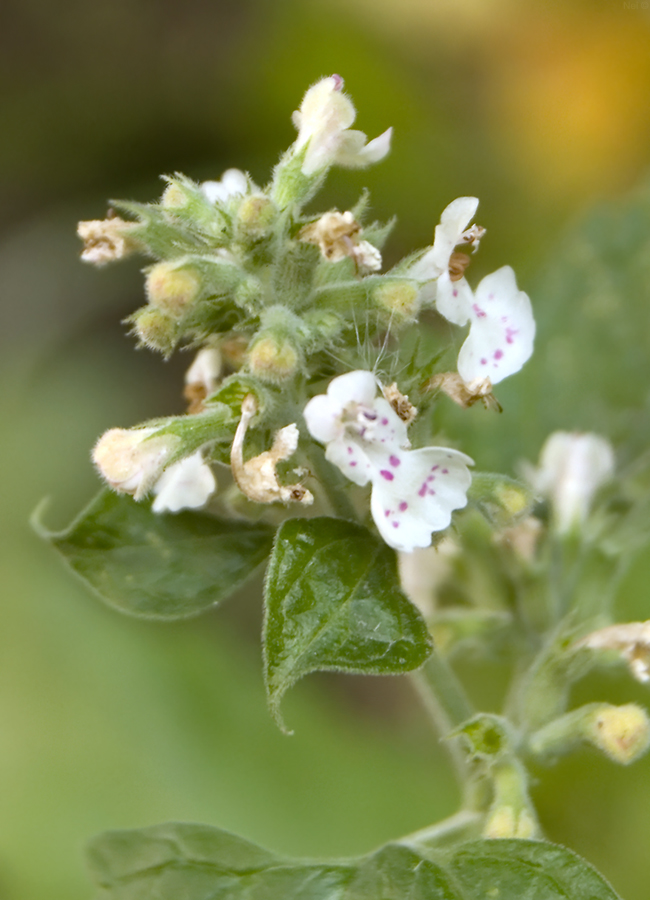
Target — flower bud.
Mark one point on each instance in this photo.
(273, 359)
(622, 732)
(399, 298)
(572, 468)
(249, 294)
(155, 329)
(171, 289)
(255, 218)
(132, 460)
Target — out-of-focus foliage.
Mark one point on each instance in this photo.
(536, 108)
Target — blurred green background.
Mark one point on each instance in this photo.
(538, 108)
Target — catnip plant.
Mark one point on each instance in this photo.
(310, 447)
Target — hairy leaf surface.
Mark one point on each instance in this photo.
(333, 602)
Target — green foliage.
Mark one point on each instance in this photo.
(333, 602)
(196, 862)
(159, 566)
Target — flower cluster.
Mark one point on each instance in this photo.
(268, 296)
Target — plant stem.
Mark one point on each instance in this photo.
(464, 820)
(447, 704)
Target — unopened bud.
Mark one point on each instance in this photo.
(249, 294)
(132, 460)
(502, 500)
(155, 329)
(171, 288)
(174, 197)
(622, 732)
(255, 217)
(273, 359)
(399, 298)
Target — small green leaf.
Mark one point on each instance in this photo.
(333, 602)
(196, 862)
(158, 566)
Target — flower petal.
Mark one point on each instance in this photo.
(359, 386)
(350, 458)
(186, 484)
(420, 497)
(323, 417)
(355, 153)
(502, 330)
(454, 299)
(454, 220)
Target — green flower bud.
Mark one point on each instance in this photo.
(250, 294)
(400, 298)
(171, 289)
(621, 732)
(273, 359)
(255, 218)
(155, 329)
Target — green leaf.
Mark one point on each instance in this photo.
(195, 862)
(158, 566)
(525, 870)
(333, 602)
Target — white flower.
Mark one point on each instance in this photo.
(132, 460)
(572, 467)
(502, 329)
(323, 122)
(453, 293)
(413, 491)
(186, 484)
(233, 182)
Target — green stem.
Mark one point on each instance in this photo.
(446, 702)
(463, 821)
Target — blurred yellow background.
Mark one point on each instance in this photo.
(538, 108)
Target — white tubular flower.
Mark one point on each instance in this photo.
(413, 491)
(187, 484)
(132, 460)
(453, 293)
(232, 183)
(572, 467)
(502, 330)
(323, 122)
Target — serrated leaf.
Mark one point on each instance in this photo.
(333, 602)
(196, 862)
(159, 566)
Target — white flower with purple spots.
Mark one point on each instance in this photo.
(413, 491)
(502, 329)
